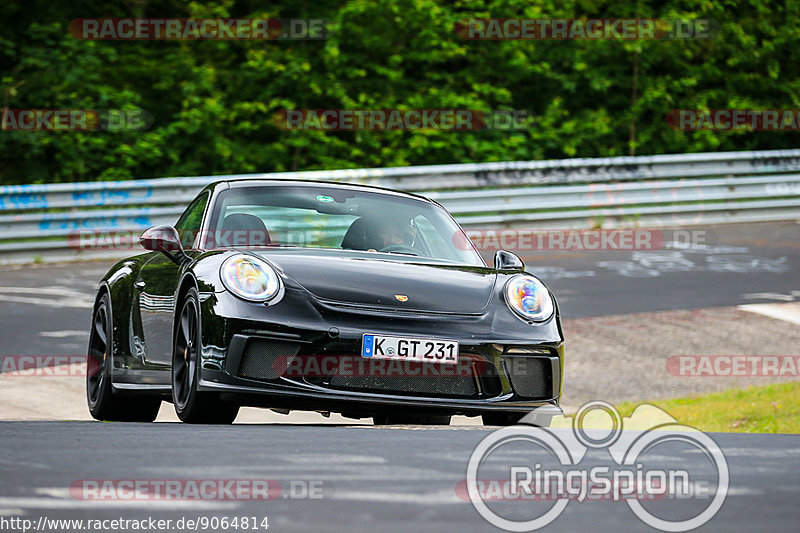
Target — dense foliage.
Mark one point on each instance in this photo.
(213, 102)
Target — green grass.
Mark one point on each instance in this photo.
(764, 409)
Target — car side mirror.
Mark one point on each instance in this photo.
(163, 239)
(505, 260)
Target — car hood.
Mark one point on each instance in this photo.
(383, 282)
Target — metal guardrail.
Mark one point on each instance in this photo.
(663, 190)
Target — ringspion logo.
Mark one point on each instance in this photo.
(655, 460)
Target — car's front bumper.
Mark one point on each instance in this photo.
(252, 352)
(286, 373)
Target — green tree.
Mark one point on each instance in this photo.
(212, 102)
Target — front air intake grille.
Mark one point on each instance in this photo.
(265, 359)
(531, 377)
(448, 386)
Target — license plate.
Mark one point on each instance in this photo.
(409, 349)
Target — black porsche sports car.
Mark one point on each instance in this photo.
(299, 295)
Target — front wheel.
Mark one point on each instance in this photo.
(103, 403)
(191, 405)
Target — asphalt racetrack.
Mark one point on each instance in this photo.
(341, 477)
(369, 479)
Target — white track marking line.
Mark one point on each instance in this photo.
(61, 498)
(160, 505)
(63, 333)
(769, 296)
(64, 302)
(788, 312)
(446, 496)
(38, 296)
(69, 297)
(54, 291)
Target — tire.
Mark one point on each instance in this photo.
(417, 420)
(501, 419)
(103, 403)
(191, 405)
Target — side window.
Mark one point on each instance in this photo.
(188, 225)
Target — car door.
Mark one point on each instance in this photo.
(157, 284)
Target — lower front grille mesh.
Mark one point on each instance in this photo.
(531, 377)
(421, 381)
(265, 359)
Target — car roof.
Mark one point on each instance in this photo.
(262, 182)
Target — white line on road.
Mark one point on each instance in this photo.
(788, 312)
(63, 333)
(70, 297)
(162, 505)
(63, 302)
(54, 291)
(770, 296)
(430, 498)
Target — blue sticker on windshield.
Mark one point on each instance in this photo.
(323, 198)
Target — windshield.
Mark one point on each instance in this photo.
(336, 218)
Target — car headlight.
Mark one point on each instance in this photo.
(250, 278)
(529, 298)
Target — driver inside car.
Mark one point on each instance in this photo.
(392, 233)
